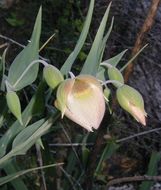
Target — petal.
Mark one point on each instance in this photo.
(138, 114)
(86, 106)
(63, 91)
(88, 79)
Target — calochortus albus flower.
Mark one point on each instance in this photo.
(81, 99)
(132, 101)
(52, 76)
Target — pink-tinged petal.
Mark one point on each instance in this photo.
(88, 79)
(138, 114)
(62, 94)
(86, 105)
(132, 101)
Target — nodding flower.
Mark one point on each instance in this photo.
(132, 101)
(81, 99)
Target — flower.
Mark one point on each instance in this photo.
(81, 99)
(52, 76)
(132, 101)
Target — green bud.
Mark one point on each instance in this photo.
(132, 101)
(53, 76)
(115, 74)
(106, 93)
(13, 103)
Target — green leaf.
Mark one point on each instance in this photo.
(2, 70)
(6, 179)
(24, 59)
(109, 150)
(34, 107)
(113, 61)
(10, 168)
(26, 133)
(20, 149)
(92, 62)
(152, 170)
(14, 105)
(104, 41)
(70, 60)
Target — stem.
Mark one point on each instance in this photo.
(108, 65)
(5, 158)
(133, 179)
(71, 75)
(113, 81)
(27, 69)
(8, 86)
(40, 162)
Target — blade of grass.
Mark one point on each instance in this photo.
(109, 150)
(18, 184)
(134, 57)
(6, 179)
(92, 62)
(152, 170)
(70, 60)
(34, 107)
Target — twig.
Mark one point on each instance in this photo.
(67, 136)
(137, 135)
(69, 177)
(11, 40)
(18, 44)
(145, 28)
(47, 41)
(40, 162)
(117, 141)
(3, 45)
(132, 179)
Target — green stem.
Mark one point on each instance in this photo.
(113, 82)
(27, 69)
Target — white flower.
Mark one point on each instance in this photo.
(81, 99)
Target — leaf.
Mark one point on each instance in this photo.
(14, 105)
(109, 150)
(104, 41)
(10, 168)
(22, 148)
(34, 107)
(6, 179)
(113, 61)
(26, 133)
(16, 75)
(152, 170)
(2, 70)
(70, 60)
(92, 62)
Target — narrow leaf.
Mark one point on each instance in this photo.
(113, 61)
(23, 60)
(10, 168)
(92, 62)
(70, 60)
(34, 107)
(6, 179)
(152, 170)
(109, 150)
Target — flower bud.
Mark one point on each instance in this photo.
(115, 74)
(81, 99)
(106, 93)
(132, 101)
(13, 103)
(52, 76)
